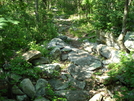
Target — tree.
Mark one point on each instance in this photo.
(124, 29)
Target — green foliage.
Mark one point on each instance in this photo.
(51, 94)
(21, 67)
(42, 48)
(123, 72)
(19, 26)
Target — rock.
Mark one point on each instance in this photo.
(97, 97)
(107, 38)
(66, 49)
(64, 57)
(89, 63)
(41, 60)
(77, 84)
(77, 54)
(15, 77)
(101, 79)
(49, 69)
(74, 95)
(41, 87)
(56, 42)
(109, 99)
(41, 99)
(28, 88)
(22, 98)
(31, 55)
(110, 53)
(129, 41)
(80, 72)
(62, 37)
(88, 46)
(56, 53)
(16, 90)
(59, 84)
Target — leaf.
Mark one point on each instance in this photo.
(13, 21)
(3, 20)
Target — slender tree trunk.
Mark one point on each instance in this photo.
(36, 10)
(124, 30)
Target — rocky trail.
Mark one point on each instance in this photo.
(81, 65)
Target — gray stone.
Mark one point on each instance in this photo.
(74, 95)
(56, 53)
(109, 52)
(77, 54)
(15, 77)
(87, 62)
(22, 98)
(66, 49)
(64, 57)
(97, 97)
(88, 46)
(102, 79)
(16, 90)
(41, 60)
(31, 55)
(28, 88)
(56, 42)
(129, 41)
(80, 72)
(63, 37)
(77, 84)
(41, 99)
(41, 87)
(49, 68)
(58, 84)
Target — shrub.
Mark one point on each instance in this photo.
(124, 72)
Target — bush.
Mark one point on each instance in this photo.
(124, 73)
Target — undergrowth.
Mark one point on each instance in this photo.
(124, 73)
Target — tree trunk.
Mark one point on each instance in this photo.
(36, 11)
(120, 39)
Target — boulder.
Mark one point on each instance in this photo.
(22, 98)
(31, 55)
(97, 97)
(129, 41)
(110, 53)
(56, 53)
(41, 87)
(16, 90)
(15, 77)
(49, 69)
(80, 72)
(41, 60)
(77, 54)
(62, 37)
(73, 95)
(77, 84)
(28, 88)
(56, 42)
(88, 46)
(89, 63)
(59, 84)
(64, 57)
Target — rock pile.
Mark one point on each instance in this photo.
(74, 80)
